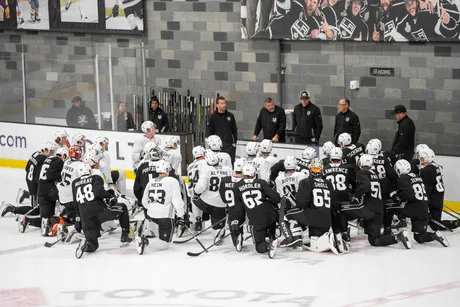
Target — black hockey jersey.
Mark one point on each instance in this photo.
(352, 27)
(258, 200)
(343, 179)
(33, 171)
(389, 20)
(352, 153)
(333, 13)
(89, 194)
(384, 171)
(432, 178)
(368, 188)
(146, 171)
(303, 166)
(226, 190)
(410, 189)
(50, 173)
(316, 195)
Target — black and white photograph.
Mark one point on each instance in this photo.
(357, 20)
(33, 15)
(81, 11)
(124, 15)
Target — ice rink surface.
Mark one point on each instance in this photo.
(33, 275)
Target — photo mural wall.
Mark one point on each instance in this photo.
(358, 20)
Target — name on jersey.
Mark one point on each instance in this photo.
(336, 170)
(149, 169)
(229, 185)
(247, 186)
(320, 184)
(68, 168)
(287, 180)
(84, 181)
(374, 177)
(380, 162)
(156, 185)
(416, 180)
(33, 161)
(354, 152)
(219, 172)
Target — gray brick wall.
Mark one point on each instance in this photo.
(196, 45)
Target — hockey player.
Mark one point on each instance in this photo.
(133, 10)
(267, 160)
(352, 26)
(228, 196)
(351, 152)
(415, 161)
(411, 201)
(34, 8)
(215, 144)
(146, 172)
(434, 186)
(161, 198)
(327, 147)
(116, 179)
(367, 204)
(382, 168)
(50, 174)
(172, 154)
(193, 172)
(303, 164)
(32, 176)
(252, 149)
(61, 139)
(287, 183)
(89, 195)
(343, 179)
(206, 193)
(255, 198)
(149, 130)
(385, 30)
(79, 140)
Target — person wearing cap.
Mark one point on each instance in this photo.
(272, 121)
(80, 116)
(158, 116)
(346, 121)
(403, 143)
(307, 121)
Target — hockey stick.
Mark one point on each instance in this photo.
(206, 249)
(207, 228)
(79, 8)
(47, 244)
(194, 236)
(108, 17)
(441, 225)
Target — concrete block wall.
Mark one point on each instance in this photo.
(196, 45)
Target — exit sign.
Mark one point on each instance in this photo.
(382, 72)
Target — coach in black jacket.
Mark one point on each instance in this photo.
(223, 124)
(403, 144)
(346, 121)
(307, 123)
(158, 116)
(272, 120)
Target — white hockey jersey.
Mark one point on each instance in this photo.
(174, 158)
(265, 165)
(162, 196)
(104, 167)
(68, 174)
(208, 184)
(138, 147)
(289, 183)
(224, 159)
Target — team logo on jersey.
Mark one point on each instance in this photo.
(274, 119)
(228, 118)
(389, 27)
(347, 28)
(347, 119)
(299, 29)
(160, 116)
(309, 112)
(419, 35)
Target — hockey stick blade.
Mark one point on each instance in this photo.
(108, 17)
(205, 250)
(48, 244)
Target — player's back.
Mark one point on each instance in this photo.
(212, 195)
(266, 164)
(226, 190)
(224, 159)
(303, 166)
(89, 193)
(160, 196)
(50, 172)
(68, 175)
(33, 167)
(289, 183)
(342, 178)
(412, 189)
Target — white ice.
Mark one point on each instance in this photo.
(85, 11)
(121, 23)
(43, 13)
(33, 275)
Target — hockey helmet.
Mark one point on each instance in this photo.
(327, 147)
(172, 141)
(198, 151)
(48, 148)
(162, 167)
(266, 146)
(366, 160)
(155, 154)
(309, 154)
(426, 155)
(336, 153)
(344, 139)
(214, 142)
(252, 148)
(372, 148)
(419, 147)
(402, 167)
(147, 125)
(63, 152)
(316, 168)
(60, 135)
(78, 139)
(249, 170)
(75, 153)
(147, 147)
(290, 163)
(211, 158)
(377, 143)
(84, 169)
(103, 141)
(239, 164)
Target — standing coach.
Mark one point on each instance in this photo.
(403, 143)
(307, 123)
(272, 121)
(222, 123)
(346, 121)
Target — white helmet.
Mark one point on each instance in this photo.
(63, 151)
(214, 142)
(372, 148)
(377, 143)
(344, 139)
(327, 147)
(94, 154)
(102, 140)
(48, 145)
(252, 148)
(171, 141)
(336, 153)
(198, 151)
(309, 154)
(155, 154)
(60, 134)
(84, 169)
(239, 164)
(427, 155)
(402, 167)
(162, 166)
(366, 160)
(249, 170)
(147, 125)
(78, 139)
(419, 147)
(266, 146)
(211, 158)
(290, 163)
(148, 146)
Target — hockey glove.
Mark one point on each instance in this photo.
(78, 224)
(115, 10)
(395, 197)
(355, 201)
(112, 201)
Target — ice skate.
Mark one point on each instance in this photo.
(219, 236)
(21, 196)
(22, 223)
(272, 244)
(6, 208)
(81, 248)
(438, 236)
(403, 238)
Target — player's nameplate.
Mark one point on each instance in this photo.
(382, 72)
